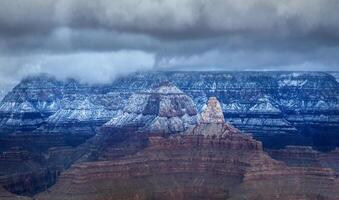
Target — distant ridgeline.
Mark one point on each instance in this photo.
(278, 108)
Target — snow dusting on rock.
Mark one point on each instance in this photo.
(164, 109)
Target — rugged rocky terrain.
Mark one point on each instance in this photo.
(212, 160)
(164, 109)
(209, 159)
(48, 104)
(278, 108)
(45, 123)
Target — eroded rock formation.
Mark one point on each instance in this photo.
(212, 113)
(210, 161)
(164, 109)
(278, 108)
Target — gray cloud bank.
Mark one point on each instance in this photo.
(97, 40)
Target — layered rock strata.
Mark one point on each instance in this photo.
(164, 110)
(209, 161)
(279, 108)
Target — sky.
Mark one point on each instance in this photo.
(96, 41)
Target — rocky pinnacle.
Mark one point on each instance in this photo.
(212, 113)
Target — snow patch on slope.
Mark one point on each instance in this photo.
(165, 109)
(81, 110)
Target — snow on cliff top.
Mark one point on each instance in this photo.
(163, 109)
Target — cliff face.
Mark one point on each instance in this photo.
(57, 106)
(277, 107)
(164, 109)
(212, 160)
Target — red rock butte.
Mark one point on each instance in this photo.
(210, 161)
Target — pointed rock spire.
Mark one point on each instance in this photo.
(212, 122)
(212, 113)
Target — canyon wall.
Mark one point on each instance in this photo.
(278, 108)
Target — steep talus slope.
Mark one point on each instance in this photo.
(212, 160)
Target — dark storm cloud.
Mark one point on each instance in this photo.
(172, 19)
(169, 34)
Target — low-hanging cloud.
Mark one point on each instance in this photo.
(87, 67)
(169, 34)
